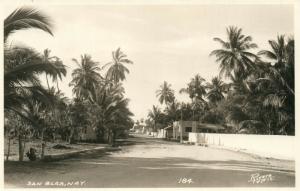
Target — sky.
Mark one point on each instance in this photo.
(166, 42)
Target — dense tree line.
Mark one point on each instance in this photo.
(258, 99)
(33, 111)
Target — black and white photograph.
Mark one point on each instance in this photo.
(140, 94)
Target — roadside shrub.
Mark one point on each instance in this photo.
(31, 154)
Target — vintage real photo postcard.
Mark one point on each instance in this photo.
(140, 94)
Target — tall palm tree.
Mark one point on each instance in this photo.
(117, 69)
(86, 77)
(111, 111)
(26, 18)
(47, 59)
(277, 84)
(195, 88)
(282, 55)
(235, 57)
(165, 94)
(216, 90)
(154, 115)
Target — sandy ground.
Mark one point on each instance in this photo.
(159, 149)
(148, 162)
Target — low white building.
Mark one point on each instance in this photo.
(181, 129)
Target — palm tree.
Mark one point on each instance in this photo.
(172, 111)
(86, 77)
(277, 84)
(117, 69)
(216, 89)
(154, 115)
(26, 18)
(165, 93)
(235, 57)
(22, 66)
(195, 89)
(111, 111)
(282, 55)
(47, 59)
(21, 69)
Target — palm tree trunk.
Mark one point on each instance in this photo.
(111, 137)
(43, 145)
(21, 149)
(72, 136)
(8, 148)
(47, 82)
(57, 86)
(193, 115)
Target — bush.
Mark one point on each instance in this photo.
(31, 154)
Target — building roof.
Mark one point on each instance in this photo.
(169, 127)
(199, 125)
(210, 126)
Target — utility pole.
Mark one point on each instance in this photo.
(180, 124)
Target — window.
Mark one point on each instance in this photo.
(188, 129)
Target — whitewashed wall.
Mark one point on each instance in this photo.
(276, 146)
(161, 133)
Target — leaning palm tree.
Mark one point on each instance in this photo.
(26, 18)
(165, 94)
(86, 77)
(216, 90)
(22, 65)
(117, 69)
(235, 57)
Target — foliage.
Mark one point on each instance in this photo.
(26, 18)
(117, 69)
(85, 78)
(235, 58)
(165, 94)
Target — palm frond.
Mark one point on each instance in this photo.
(26, 18)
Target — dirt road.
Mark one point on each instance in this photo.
(148, 162)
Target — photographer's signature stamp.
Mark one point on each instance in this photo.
(259, 179)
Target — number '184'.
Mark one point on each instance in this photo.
(185, 181)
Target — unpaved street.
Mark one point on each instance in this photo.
(147, 162)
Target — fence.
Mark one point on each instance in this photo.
(276, 146)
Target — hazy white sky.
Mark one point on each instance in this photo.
(165, 42)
